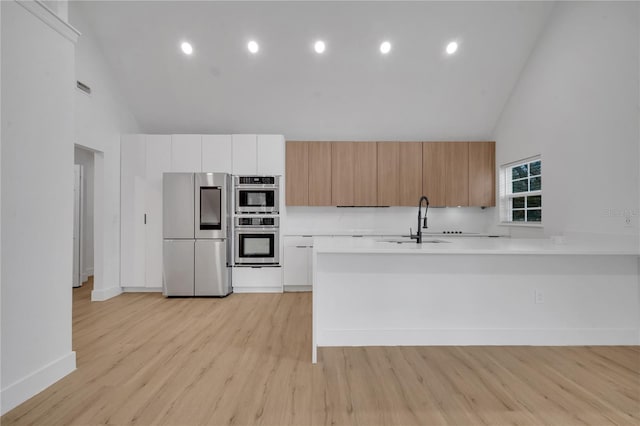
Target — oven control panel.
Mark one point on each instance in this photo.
(256, 180)
(257, 221)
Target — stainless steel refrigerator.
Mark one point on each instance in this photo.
(197, 234)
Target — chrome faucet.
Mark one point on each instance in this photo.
(422, 223)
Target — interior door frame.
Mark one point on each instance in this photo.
(78, 211)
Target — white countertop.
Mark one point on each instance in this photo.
(472, 245)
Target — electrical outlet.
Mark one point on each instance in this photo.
(538, 296)
(627, 222)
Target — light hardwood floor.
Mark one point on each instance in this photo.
(144, 359)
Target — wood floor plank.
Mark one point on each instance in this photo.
(571, 399)
(620, 396)
(245, 360)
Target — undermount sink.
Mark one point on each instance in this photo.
(413, 241)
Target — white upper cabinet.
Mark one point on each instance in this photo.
(132, 155)
(216, 153)
(244, 155)
(158, 161)
(270, 158)
(144, 159)
(186, 153)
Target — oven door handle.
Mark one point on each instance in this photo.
(257, 230)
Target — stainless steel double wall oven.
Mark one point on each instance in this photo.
(257, 221)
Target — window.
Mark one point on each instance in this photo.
(521, 191)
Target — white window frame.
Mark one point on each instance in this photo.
(506, 194)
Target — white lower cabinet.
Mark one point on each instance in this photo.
(297, 263)
(260, 279)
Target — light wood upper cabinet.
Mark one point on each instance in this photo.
(457, 174)
(399, 173)
(319, 173)
(445, 173)
(308, 174)
(365, 179)
(410, 173)
(433, 173)
(482, 175)
(297, 177)
(389, 173)
(342, 166)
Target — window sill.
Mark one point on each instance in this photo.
(522, 225)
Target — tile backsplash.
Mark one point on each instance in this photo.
(388, 219)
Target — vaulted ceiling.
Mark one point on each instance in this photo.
(351, 91)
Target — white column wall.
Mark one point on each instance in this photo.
(101, 118)
(37, 209)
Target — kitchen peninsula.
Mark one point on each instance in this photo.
(474, 291)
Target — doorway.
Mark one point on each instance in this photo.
(77, 225)
(83, 224)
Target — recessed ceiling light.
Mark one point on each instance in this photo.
(452, 47)
(186, 47)
(319, 46)
(253, 46)
(385, 47)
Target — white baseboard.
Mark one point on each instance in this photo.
(142, 289)
(86, 274)
(277, 289)
(297, 288)
(18, 392)
(478, 337)
(105, 294)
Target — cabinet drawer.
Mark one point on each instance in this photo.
(257, 280)
(298, 241)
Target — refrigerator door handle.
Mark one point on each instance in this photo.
(145, 218)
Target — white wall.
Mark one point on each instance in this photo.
(100, 119)
(576, 105)
(84, 157)
(59, 7)
(37, 208)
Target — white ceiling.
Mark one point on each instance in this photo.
(350, 92)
